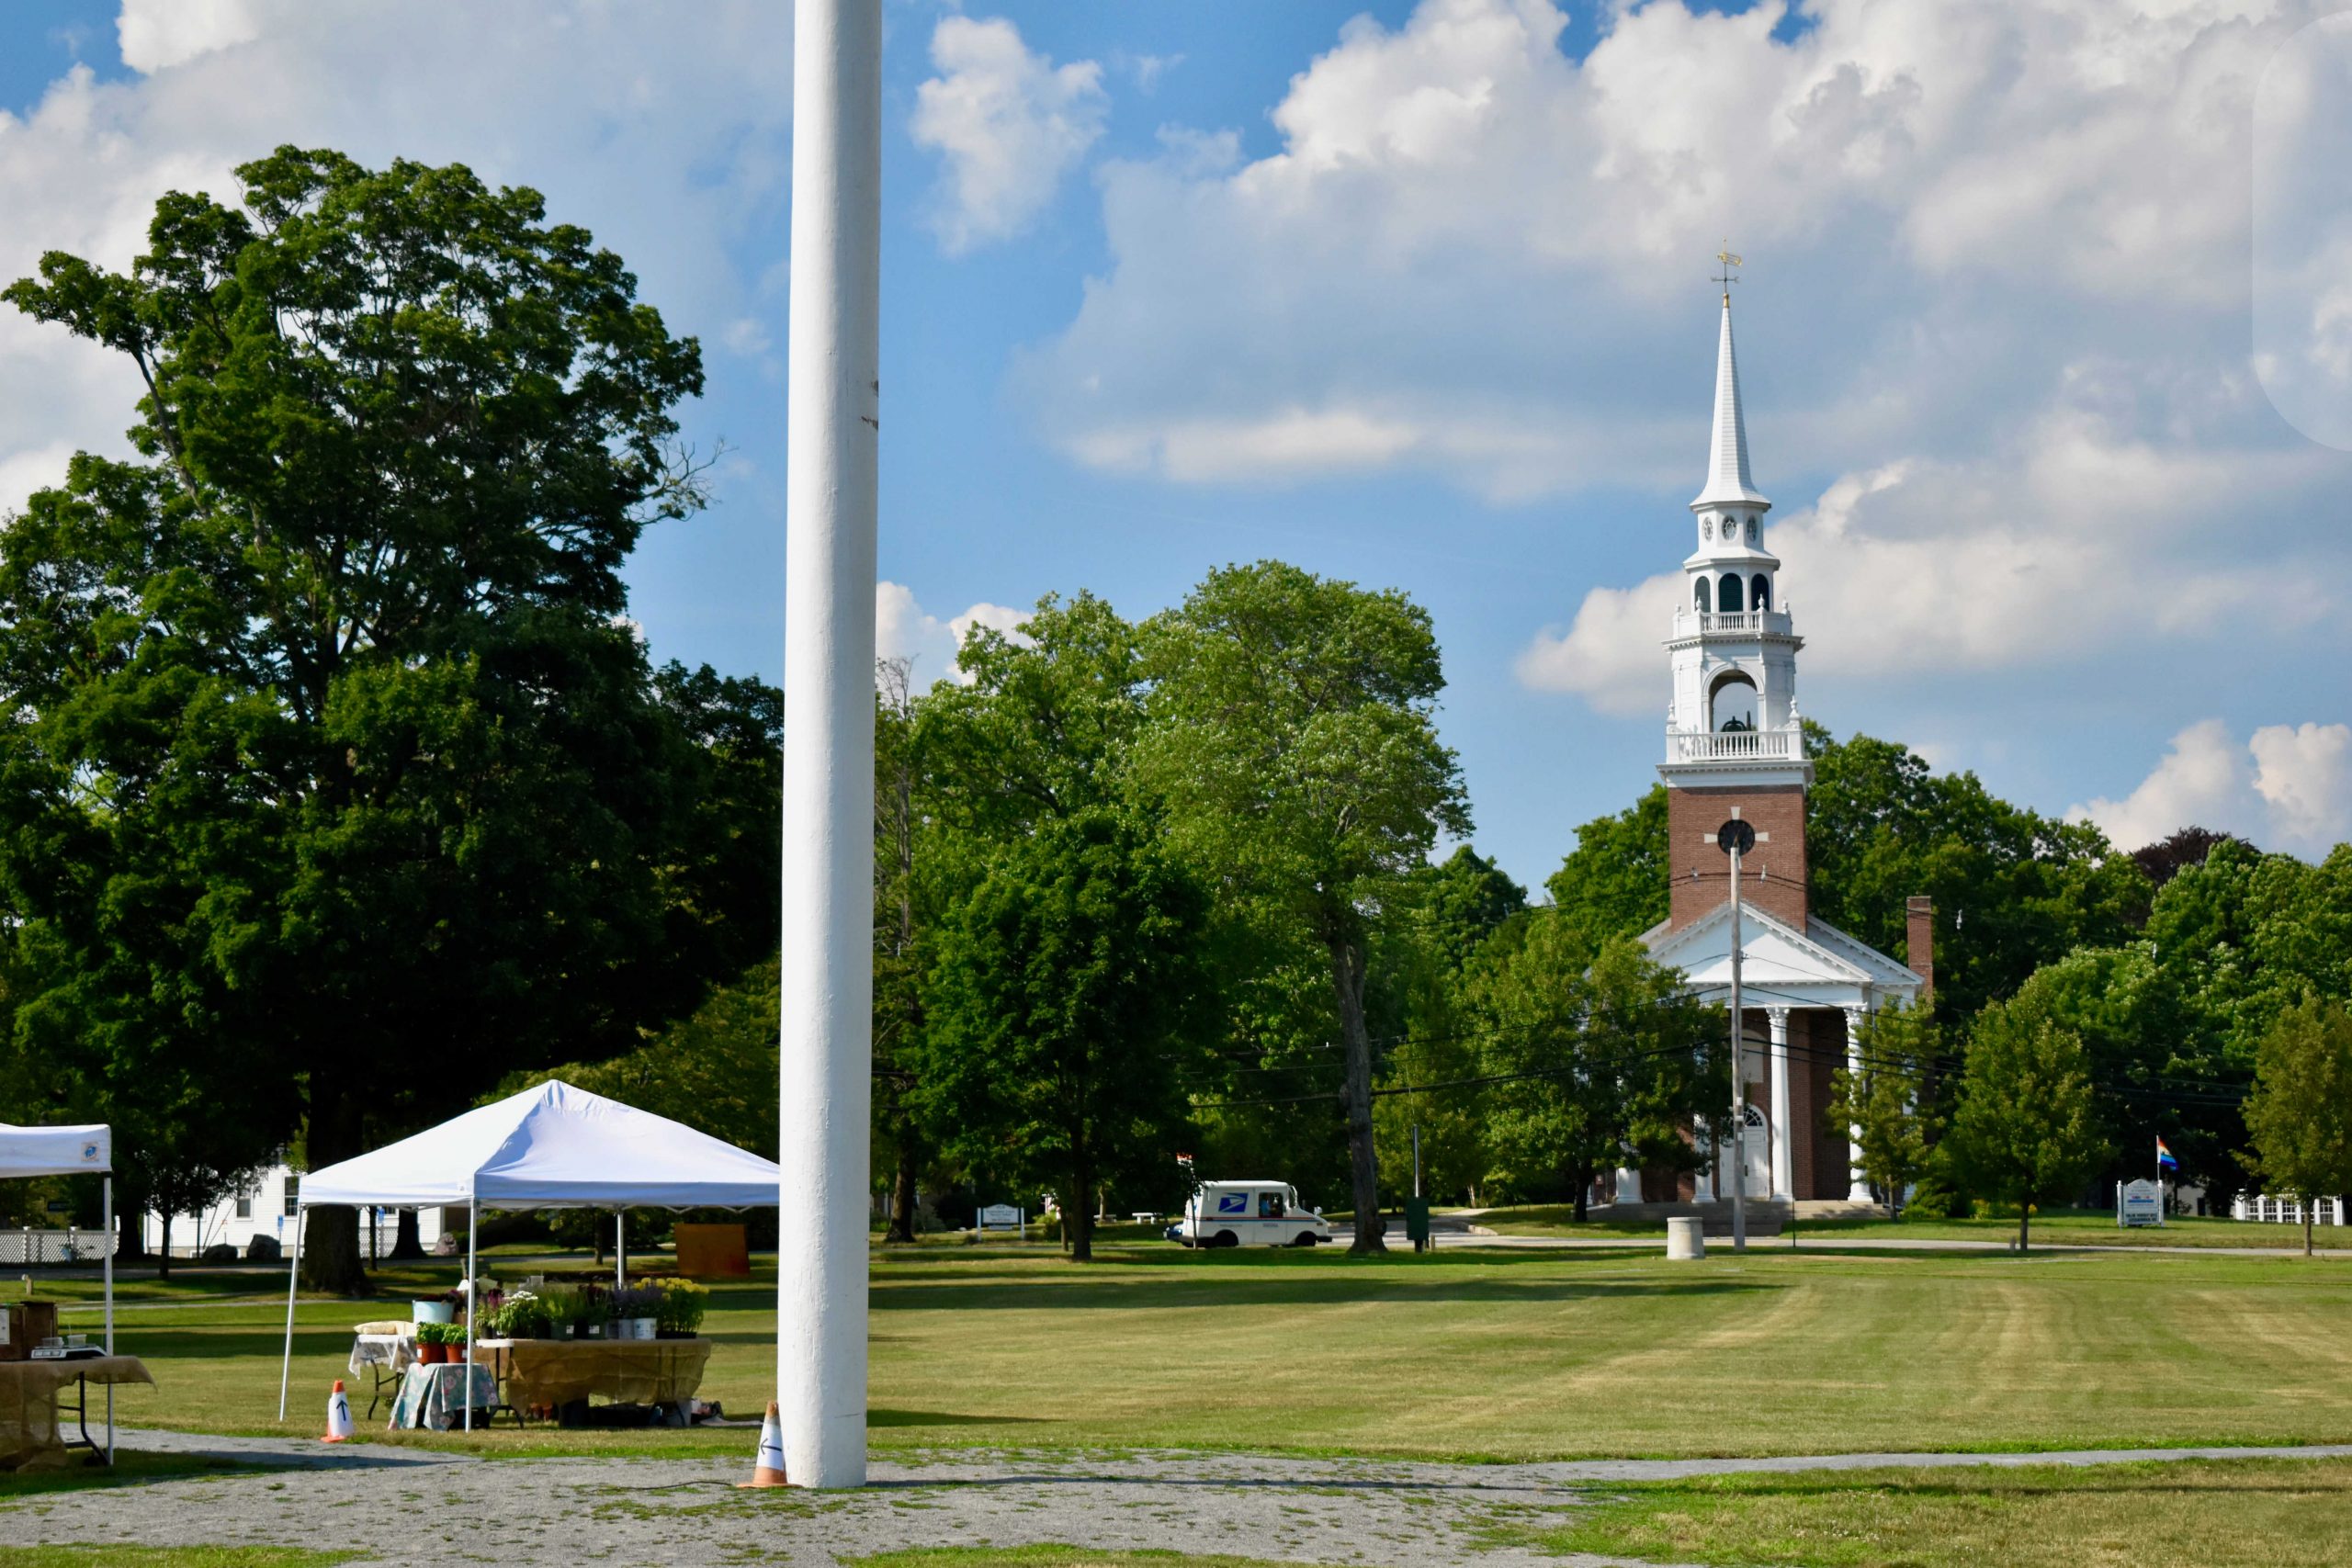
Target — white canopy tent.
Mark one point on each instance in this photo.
(552, 1147)
(70, 1151)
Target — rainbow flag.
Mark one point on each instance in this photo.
(2163, 1157)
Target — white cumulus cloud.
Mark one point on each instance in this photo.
(1008, 124)
(904, 629)
(2287, 787)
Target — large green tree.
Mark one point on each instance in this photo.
(2013, 889)
(1893, 1098)
(1292, 738)
(2155, 1072)
(2026, 1130)
(1615, 882)
(2300, 1114)
(329, 756)
(1430, 924)
(1600, 1058)
(1069, 1001)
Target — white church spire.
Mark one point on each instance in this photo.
(1727, 479)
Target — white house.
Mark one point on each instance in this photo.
(266, 1207)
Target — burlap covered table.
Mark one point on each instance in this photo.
(28, 1413)
(544, 1373)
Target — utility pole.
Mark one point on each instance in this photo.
(826, 1048)
(1735, 838)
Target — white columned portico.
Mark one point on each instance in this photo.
(1857, 1189)
(1785, 1179)
(826, 1042)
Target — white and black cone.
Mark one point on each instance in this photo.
(338, 1415)
(768, 1469)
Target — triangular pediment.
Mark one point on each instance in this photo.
(1820, 967)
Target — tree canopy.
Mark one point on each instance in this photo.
(326, 741)
(1293, 744)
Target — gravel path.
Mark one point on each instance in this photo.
(415, 1506)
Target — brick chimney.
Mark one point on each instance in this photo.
(1919, 947)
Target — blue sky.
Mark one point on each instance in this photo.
(1415, 295)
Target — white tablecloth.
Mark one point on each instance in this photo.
(394, 1352)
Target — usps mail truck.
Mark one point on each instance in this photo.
(1250, 1213)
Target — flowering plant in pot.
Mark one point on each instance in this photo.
(679, 1314)
(637, 1307)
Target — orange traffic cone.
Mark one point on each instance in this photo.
(767, 1470)
(338, 1415)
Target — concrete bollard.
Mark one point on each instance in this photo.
(1684, 1239)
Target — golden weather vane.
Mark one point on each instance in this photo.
(1729, 261)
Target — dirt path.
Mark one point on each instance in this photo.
(410, 1506)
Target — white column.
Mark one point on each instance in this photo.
(1629, 1185)
(1784, 1179)
(1857, 1190)
(826, 1043)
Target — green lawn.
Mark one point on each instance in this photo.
(1494, 1355)
(2062, 1227)
(2225, 1514)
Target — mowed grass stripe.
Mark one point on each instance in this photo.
(1459, 1354)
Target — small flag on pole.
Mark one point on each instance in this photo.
(2163, 1157)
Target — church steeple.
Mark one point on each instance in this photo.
(1733, 737)
(1727, 480)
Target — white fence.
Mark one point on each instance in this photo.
(24, 1245)
(2287, 1211)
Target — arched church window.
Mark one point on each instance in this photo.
(1727, 596)
(1699, 596)
(1759, 592)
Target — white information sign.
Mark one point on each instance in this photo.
(1003, 1217)
(2138, 1203)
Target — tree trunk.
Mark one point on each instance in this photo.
(163, 1253)
(1582, 1176)
(2307, 1227)
(331, 1246)
(408, 1245)
(131, 1226)
(1078, 1214)
(1363, 1168)
(902, 1187)
(2025, 1226)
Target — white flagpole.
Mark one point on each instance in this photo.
(833, 401)
(293, 1267)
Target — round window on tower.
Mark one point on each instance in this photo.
(1706, 527)
(1751, 530)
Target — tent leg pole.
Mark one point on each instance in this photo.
(620, 1248)
(105, 1188)
(473, 1226)
(293, 1270)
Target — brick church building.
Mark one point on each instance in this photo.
(1734, 748)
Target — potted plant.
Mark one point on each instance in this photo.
(435, 1342)
(679, 1314)
(632, 1310)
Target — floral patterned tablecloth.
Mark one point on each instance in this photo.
(436, 1396)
